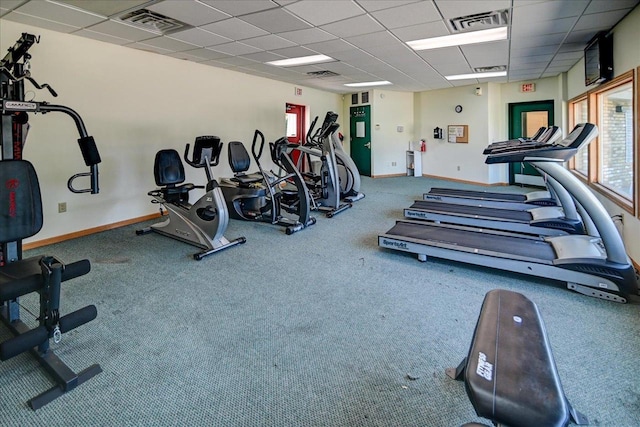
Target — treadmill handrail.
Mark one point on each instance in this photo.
(613, 244)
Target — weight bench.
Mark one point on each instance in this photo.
(509, 374)
(21, 217)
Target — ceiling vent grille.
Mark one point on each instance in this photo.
(490, 68)
(480, 21)
(153, 21)
(323, 73)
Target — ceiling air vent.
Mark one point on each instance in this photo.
(479, 21)
(490, 68)
(153, 21)
(323, 73)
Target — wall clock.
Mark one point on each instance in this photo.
(458, 108)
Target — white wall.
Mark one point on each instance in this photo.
(626, 56)
(135, 103)
(389, 111)
(436, 109)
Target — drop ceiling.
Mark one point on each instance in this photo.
(365, 38)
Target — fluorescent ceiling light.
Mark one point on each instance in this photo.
(363, 84)
(470, 37)
(476, 75)
(303, 60)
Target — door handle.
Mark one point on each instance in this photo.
(368, 145)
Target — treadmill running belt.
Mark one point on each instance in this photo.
(511, 197)
(509, 245)
(479, 211)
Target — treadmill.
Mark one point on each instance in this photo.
(593, 265)
(541, 220)
(504, 200)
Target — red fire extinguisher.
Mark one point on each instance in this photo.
(423, 145)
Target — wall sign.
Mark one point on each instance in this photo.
(528, 87)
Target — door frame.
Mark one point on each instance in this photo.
(515, 125)
(353, 147)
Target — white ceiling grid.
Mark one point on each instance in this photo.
(366, 38)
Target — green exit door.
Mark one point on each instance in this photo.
(525, 118)
(360, 130)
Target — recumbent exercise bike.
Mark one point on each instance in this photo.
(203, 223)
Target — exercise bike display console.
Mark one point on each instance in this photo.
(203, 223)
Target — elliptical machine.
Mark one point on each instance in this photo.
(202, 224)
(325, 186)
(348, 173)
(259, 196)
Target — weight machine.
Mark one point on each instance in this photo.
(21, 217)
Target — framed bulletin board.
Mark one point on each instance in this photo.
(458, 133)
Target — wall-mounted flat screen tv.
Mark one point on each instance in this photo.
(598, 59)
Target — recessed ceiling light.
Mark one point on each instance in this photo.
(303, 60)
(363, 84)
(476, 75)
(470, 37)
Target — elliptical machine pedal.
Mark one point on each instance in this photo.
(202, 224)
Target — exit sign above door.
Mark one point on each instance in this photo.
(528, 87)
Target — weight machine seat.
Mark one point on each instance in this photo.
(509, 374)
(240, 161)
(21, 217)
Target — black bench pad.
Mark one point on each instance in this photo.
(510, 374)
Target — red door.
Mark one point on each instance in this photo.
(294, 119)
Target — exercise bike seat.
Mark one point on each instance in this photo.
(240, 161)
(169, 174)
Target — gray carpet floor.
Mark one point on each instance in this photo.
(321, 328)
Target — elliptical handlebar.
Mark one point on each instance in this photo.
(257, 153)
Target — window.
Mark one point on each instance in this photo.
(607, 164)
(579, 114)
(615, 122)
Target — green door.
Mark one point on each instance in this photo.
(525, 118)
(360, 130)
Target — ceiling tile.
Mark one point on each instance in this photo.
(562, 25)
(269, 42)
(293, 52)
(453, 9)
(39, 22)
(238, 8)
(487, 54)
(373, 5)
(235, 48)
(411, 14)
(118, 29)
(421, 31)
(263, 56)
(363, 24)
(331, 46)
(170, 44)
(185, 56)
(276, 21)
(189, 12)
(148, 48)
(604, 20)
(60, 13)
(374, 40)
(547, 11)
(546, 40)
(101, 37)
(104, 7)
(602, 6)
(199, 37)
(310, 35)
(207, 54)
(235, 29)
(320, 12)
(10, 4)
